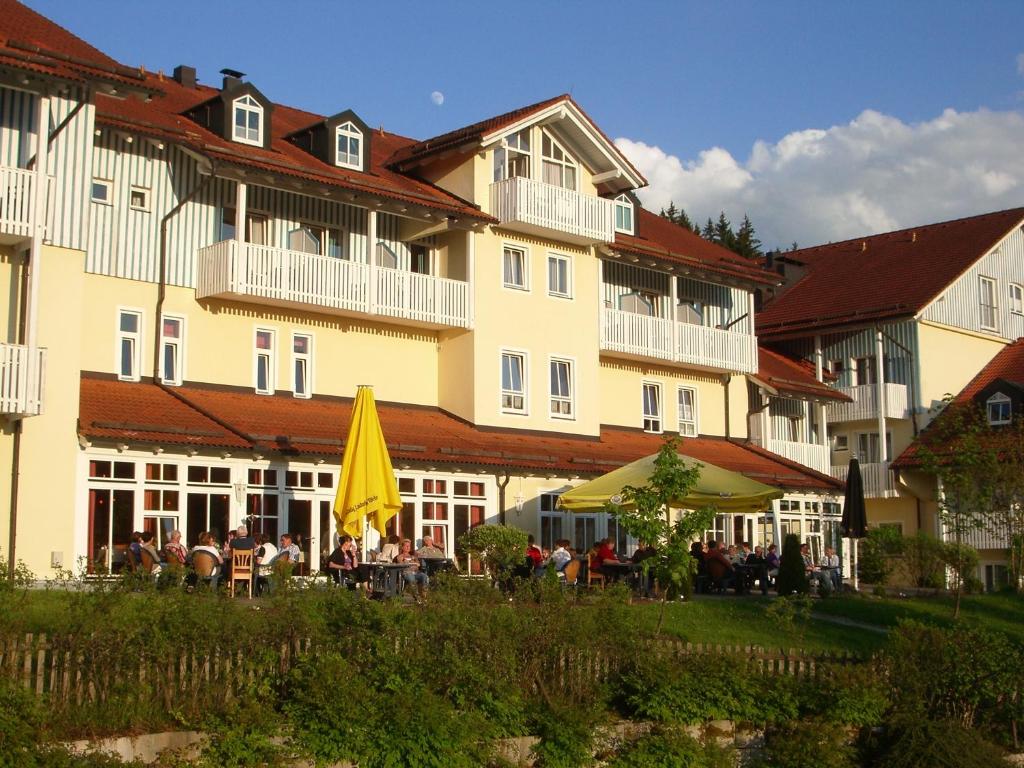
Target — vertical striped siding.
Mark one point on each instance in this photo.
(621, 279)
(70, 168)
(960, 304)
(17, 109)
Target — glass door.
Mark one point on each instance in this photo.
(300, 513)
(111, 517)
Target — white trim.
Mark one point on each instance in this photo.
(573, 400)
(180, 344)
(695, 407)
(568, 161)
(525, 356)
(138, 337)
(271, 363)
(997, 398)
(145, 192)
(527, 256)
(107, 184)
(624, 201)
(982, 280)
(349, 129)
(307, 356)
(1016, 302)
(644, 383)
(568, 294)
(252, 105)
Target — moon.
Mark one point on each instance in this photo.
(437, 97)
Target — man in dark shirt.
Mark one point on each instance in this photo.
(242, 539)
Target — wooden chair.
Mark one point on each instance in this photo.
(204, 564)
(129, 558)
(571, 572)
(594, 575)
(241, 570)
(149, 563)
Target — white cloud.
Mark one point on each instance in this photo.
(873, 174)
(437, 97)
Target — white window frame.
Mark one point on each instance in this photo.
(566, 162)
(178, 345)
(270, 354)
(135, 338)
(687, 427)
(652, 423)
(513, 144)
(560, 258)
(1016, 299)
(841, 442)
(307, 359)
(145, 192)
(349, 131)
(998, 399)
(108, 185)
(511, 393)
(623, 202)
(982, 306)
(506, 247)
(562, 407)
(249, 105)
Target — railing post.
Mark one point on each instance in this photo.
(371, 266)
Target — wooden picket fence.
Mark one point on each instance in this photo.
(72, 674)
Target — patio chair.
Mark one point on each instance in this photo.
(204, 565)
(570, 573)
(594, 575)
(241, 570)
(149, 563)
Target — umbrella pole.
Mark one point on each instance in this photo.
(856, 588)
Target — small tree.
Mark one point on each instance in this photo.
(648, 518)
(792, 577)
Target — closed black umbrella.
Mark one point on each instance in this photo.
(855, 517)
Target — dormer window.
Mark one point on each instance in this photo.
(512, 158)
(624, 214)
(349, 142)
(248, 121)
(559, 168)
(998, 408)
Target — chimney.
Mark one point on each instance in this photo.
(185, 75)
(232, 79)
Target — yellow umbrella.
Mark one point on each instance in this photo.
(728, 491)
(366, 489)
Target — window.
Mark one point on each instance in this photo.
(1016, 299)
(868, 447)
(988, 303)
(138, 199)
(559, 168)
(349, 141)
(561, 389)
(550, 520)
(652, 407)
(999, 409)
(318, 240)
(841, 442)
(864, 371)
(559, 272)
(624, 214)
(248, 123)
(102, 191)
(264, 362)
(171, 341)
(302, 345)
(256, 227)
(687, 411)
(128, 344)
(419, 259)
(512, 158)
(513, 388)
(515, 268)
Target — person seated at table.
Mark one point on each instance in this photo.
(264, 555)
(174, 550)
(208, 545)
(534, 555)
(830, 564)
(772, 558)
(744, 551)
(757, 568)
(413, 574)
(734, 555)
(343, 562)
(389, 550)
(146, 545)
(242, 540)
(289, 551)
(606, 556)
(719, 568)
(560, 556)
(814, 573)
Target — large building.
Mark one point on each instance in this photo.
(196, 279)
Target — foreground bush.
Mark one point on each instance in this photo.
(671, 748)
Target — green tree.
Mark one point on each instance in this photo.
(747, 244)
(708, 233)
(723, 234)
(646, 515)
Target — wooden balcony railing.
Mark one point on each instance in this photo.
(261, 274)
(816, 457)
(17, 201)
(878, 479)
(22, 378)
(539, 208)
(865, 403)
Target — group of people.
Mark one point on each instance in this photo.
(343, 563)
(739, 567)
(601, 558)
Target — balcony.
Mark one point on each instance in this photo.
(641, 337)
(278, 277)
(547, 210)
(865, 403)
(17, 204)
(817, 457)
(22, 377)
(878, 479)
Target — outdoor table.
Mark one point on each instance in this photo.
(619, 570)
(433, 565)
(385, 578)
(757, 571)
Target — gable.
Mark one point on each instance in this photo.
(321, 140)
(216, 114)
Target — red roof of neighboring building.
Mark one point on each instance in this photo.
(896, 274)
(795, 377)
(221, 418)
(30, 41)
(661, 238)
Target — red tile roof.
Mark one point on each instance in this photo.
(32, 42)
(1007, 365)
(795, 377)
(218, 418)
(661, 238)
(163, 117)
(886, 276)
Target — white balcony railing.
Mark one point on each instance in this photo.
(865, 403)
(641, 336)
(230, 269)
(816, 457)
(22, 378)
(17, 201)
(878, 479)
(540, 208)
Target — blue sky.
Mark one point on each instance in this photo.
(683, 77)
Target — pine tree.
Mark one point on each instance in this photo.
(723, 234)
(683, 220)
(670, 213)
(747, 244)
(708, 233)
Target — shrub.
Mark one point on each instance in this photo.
(500, 547)
(802, 743)
(924, 557)
(923, 743)
(566, 733)
(792, 577)
(876, 552)
(847, 694)
(671, 748)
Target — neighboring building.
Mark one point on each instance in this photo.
(998, 391)
(210, 275)
(899, 320)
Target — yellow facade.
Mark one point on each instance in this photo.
(950, 358)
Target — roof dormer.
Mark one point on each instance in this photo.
(342, 141)
(1001, 400)
(239, 112)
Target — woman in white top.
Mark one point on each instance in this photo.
(206, 545)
